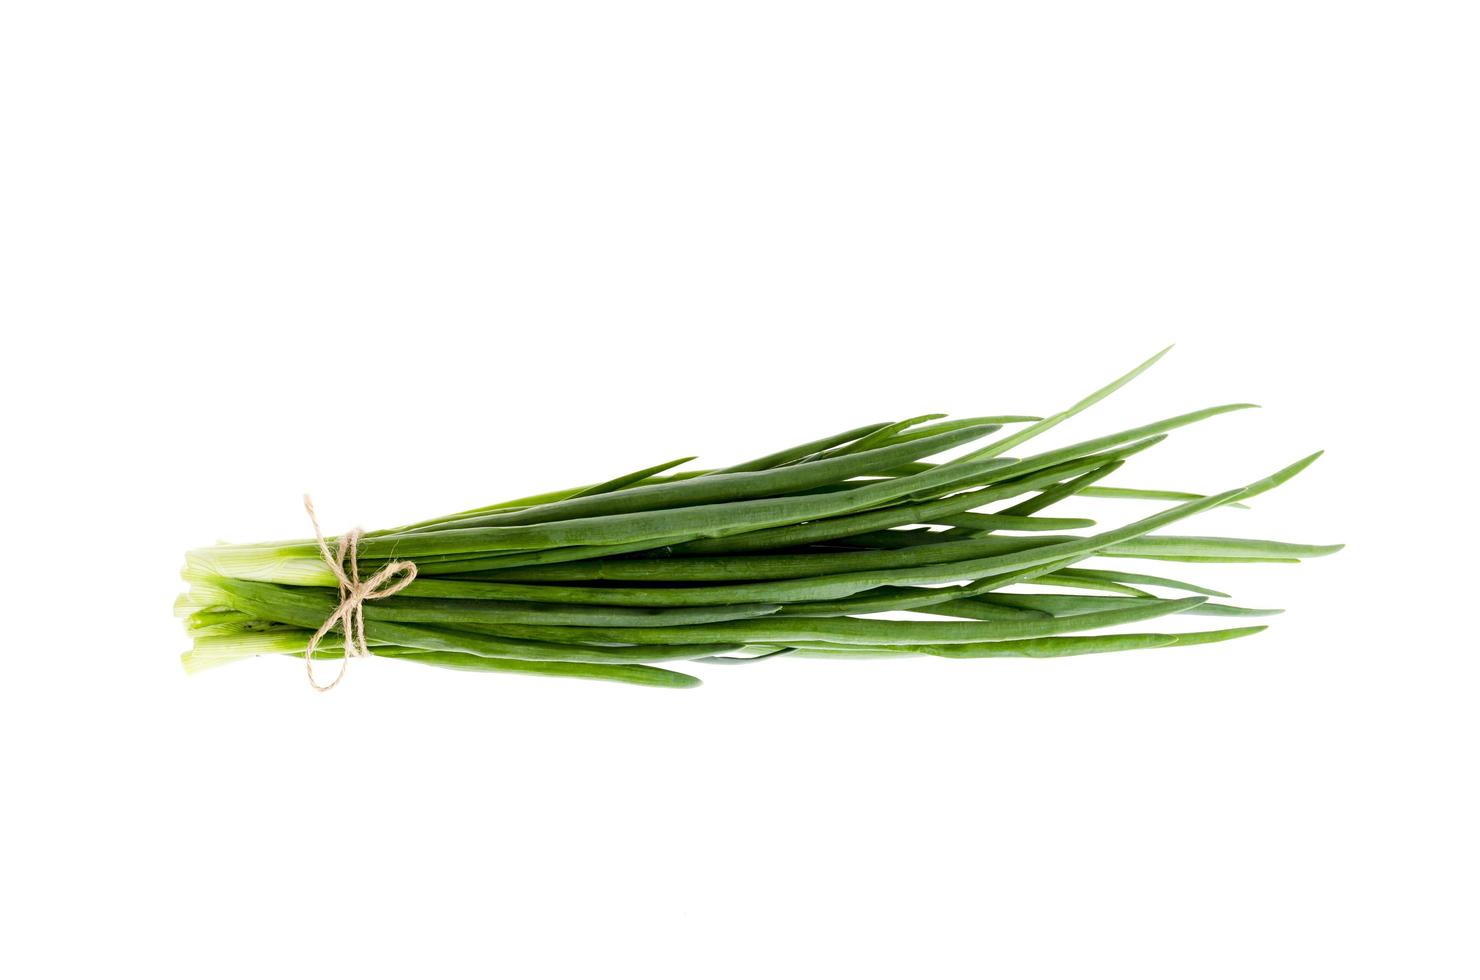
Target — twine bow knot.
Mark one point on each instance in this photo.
(349, 615)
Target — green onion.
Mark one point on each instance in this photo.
(794, 553)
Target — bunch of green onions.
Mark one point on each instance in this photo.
(790, 554)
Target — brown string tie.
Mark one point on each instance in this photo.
(349, 615)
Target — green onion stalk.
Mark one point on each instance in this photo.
(798, 553)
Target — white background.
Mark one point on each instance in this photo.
(416, 257)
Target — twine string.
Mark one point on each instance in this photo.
(349, 615)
